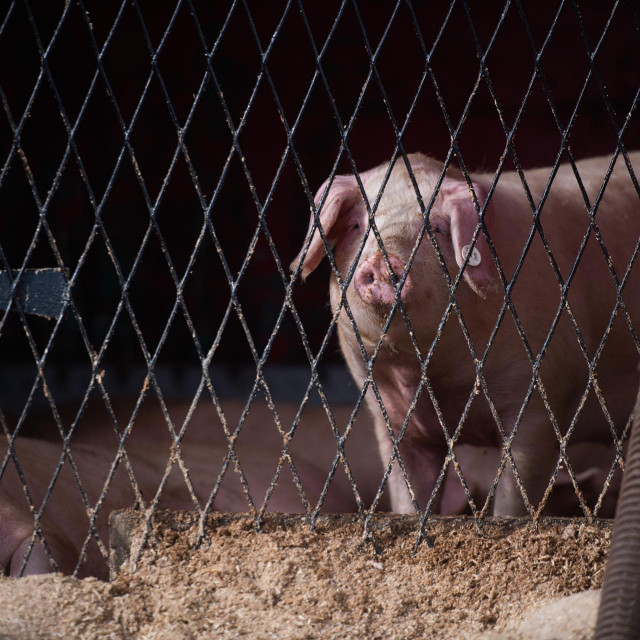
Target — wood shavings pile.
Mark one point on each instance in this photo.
(289, 582)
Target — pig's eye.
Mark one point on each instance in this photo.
(437, 230)
(356, 226)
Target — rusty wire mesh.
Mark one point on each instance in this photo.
(77, 193)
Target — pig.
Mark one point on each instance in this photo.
(457, 400)
(65, 523)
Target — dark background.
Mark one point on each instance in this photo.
(125, 206)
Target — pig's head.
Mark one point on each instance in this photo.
(371, 292)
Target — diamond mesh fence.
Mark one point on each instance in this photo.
(158, 165)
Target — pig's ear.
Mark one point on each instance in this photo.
(459, 208)
(341, 207)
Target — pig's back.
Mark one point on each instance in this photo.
(592, 294)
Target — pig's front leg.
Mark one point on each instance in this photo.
(535, 452)
(422, 465)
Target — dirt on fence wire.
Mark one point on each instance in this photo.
(287, 581)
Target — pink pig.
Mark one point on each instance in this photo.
(459, 396)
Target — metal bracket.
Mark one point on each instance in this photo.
(40, 292)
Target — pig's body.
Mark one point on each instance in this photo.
(204, 447)
(535, 295)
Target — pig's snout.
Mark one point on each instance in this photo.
(373, 283)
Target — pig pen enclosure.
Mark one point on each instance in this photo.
(161, 364)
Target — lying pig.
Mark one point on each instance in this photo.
(491, 404)
(65, 523)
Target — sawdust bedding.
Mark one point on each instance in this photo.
(290, 582)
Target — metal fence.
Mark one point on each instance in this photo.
(158, 165)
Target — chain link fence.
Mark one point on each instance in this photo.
(158, 165)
